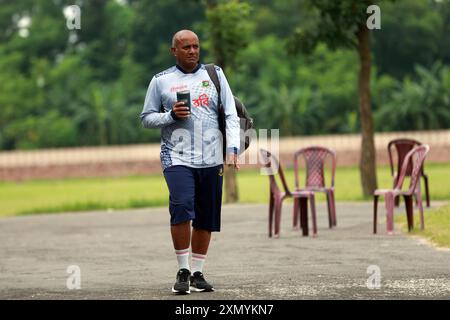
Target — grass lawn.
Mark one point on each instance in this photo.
(145, 191)
(82, 194)
(437, 226)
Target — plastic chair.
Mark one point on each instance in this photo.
(314, 158)
(403, 146)
(273, 167)
(416, 157)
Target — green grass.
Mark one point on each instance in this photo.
(255, 187)
(84, 194)
(437, 226)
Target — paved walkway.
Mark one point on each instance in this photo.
(129, 255)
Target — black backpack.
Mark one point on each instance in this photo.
(246, 122)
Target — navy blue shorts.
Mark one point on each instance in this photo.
(195, 194)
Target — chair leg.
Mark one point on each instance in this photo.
(312, 203)
(304, 215)
(278, 209)
(295, 214)
(330, 211)
(396, 199)
(299, 213)
(389, 201)
(333, 207)
(271, 212)
(409, 211)
(375, 208)
(427, 193)
(419, 201)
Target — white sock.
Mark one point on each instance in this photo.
(197, 262)
(183, 258)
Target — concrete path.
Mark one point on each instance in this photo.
(129, 255)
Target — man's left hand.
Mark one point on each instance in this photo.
(232, 160)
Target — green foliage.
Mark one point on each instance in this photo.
(109, 26)
(422, 103)
(336, 25)
(48, 131)
(61, 87)
(154, 25)
(299, 95)
(278, 18)
(228, 31)
(412, 32)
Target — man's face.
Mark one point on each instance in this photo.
(187, 50)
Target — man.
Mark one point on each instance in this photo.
(191, 153)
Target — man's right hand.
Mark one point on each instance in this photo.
(181, 110)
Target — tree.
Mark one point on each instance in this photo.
(343, 24)
(228, 33)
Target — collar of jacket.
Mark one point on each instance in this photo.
(193, 71)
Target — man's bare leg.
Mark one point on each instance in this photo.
(181, 238)
(200, 241)
(181, 235)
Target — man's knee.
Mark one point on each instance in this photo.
(201, 229)
(183, 203)
(181, 210)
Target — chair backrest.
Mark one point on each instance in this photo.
(402, 146)
(271, 162)
(415, 158)
(314, 157)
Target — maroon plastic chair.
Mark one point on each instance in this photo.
(314, 158)
(416, 157)
(273, 167)
(403, 146)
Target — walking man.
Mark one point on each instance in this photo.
(191, 153)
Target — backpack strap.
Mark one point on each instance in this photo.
(211, 69)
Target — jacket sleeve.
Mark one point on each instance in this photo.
(231, 118)
(151, 117)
